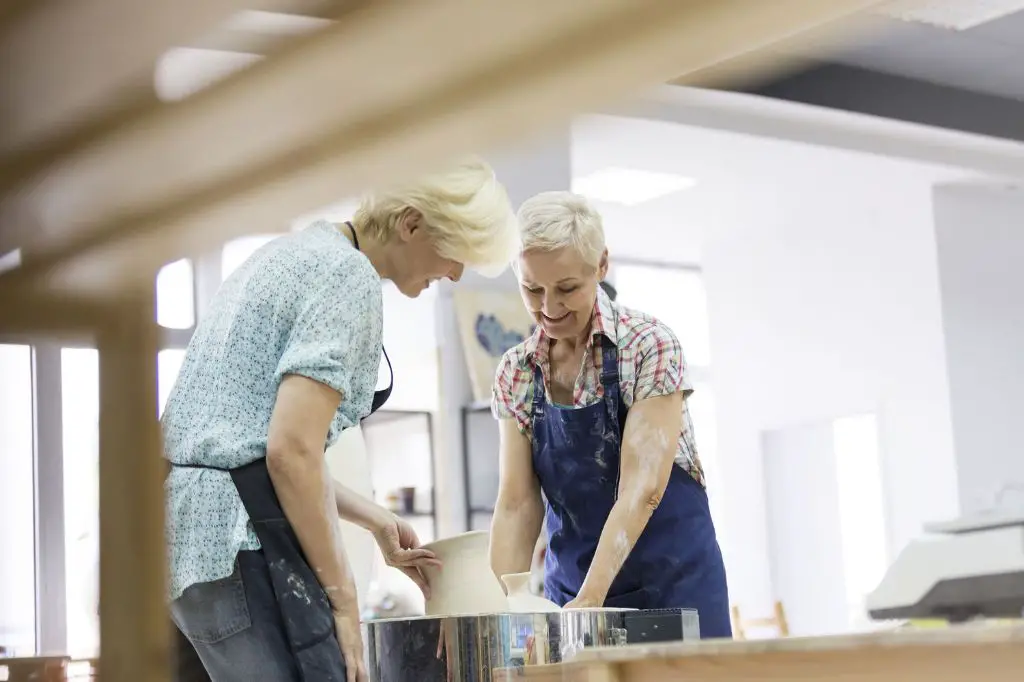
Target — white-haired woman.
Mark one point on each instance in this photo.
(286, 358)
(592, 410)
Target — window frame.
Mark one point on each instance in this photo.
(51, 608)
(699, 373)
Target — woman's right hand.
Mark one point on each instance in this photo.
(350, 639)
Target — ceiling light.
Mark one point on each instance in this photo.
(628, 186)
(10, 260)
(957, 15)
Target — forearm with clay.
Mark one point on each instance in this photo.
(646, 461)
(518, 511)
(297, 478)
(626, 522)
(514, 530)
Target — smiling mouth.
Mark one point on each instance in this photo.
(555, 319)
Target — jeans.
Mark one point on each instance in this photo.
(231, 630)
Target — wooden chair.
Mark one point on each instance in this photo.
(777, 621)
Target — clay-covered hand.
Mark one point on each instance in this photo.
(585, 601)
(350, 639)
(401, 549)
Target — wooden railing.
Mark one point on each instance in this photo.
(102, 182)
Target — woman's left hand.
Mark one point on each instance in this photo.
(401, 549)
(585, 601)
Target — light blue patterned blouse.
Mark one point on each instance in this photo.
(307, 303)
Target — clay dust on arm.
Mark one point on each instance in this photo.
(295, 460)
(518, 511)
(646, 460)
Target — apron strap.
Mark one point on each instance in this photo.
(380, 397)
(539, 397)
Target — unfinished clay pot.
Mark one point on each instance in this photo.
(521, 599)
(465, 585)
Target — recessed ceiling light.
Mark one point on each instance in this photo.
(957, 15)
(628, 186)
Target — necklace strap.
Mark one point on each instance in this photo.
(355, 237)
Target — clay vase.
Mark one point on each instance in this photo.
(465, 584)
(521, 600)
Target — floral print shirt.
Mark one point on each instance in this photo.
(307, 303)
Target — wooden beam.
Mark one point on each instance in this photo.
(67, 62)
(142, 193)
(261, 33)
(26, 314)
(135, 638)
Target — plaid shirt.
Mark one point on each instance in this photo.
(650, 364)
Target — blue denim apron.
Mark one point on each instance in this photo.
(676, 563)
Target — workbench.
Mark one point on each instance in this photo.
(955, 654)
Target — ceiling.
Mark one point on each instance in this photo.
(729, 169)
(983, 59)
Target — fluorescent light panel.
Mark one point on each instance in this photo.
(628, 186)
(958, 15)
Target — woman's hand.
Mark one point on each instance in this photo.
(401, 549)
(350, 639)
(585, 601)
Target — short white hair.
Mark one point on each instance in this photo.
(555, 220)
(466, 210)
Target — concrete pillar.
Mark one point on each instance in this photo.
(544, 164)
(980, 238)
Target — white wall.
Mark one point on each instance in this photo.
(980, 232)
(823, 302)
(820, 270)
(806, 564)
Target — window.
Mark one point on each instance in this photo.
(674, 296)
(80, 415)
(175, 296)
(17, 503)
(80, 421)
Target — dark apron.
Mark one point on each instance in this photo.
(676, 562)
(305, 610)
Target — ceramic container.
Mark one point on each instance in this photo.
(465, 585)
(521, 599)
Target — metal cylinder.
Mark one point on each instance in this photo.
(480, 648)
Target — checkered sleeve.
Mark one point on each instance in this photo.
(661, 366)
(510, 393)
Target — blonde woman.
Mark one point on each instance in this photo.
(287, 358)
(592, 411)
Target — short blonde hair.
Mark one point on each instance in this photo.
(555, 220)
(465, 208)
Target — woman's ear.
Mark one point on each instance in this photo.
(409, 223)
(602, 268)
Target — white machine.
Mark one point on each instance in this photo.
(972, 567)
